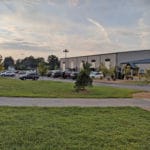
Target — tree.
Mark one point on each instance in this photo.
(42, 68)
(112, 73)
(108, 72)
(8, 61)
(83, 78)
(53, 62)
(104, 69)
(40, 60)
(127, 72)
(28, 63)
(147, 75)
(19, 65)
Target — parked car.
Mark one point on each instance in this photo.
(21, 72)
(66, 74)
(56, 74)
(49, 73)
(7, 74)
(32, 76)
(95, 74)
(74, 75)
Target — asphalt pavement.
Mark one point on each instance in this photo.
(73, 102)
(118, 85)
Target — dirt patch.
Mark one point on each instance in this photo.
(146, 108)
(142, 95)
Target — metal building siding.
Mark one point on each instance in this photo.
(70, 60)
(80, 60)
(112, 58)
(62, 60)
(115, 58)
(131, 56)
(96, 58)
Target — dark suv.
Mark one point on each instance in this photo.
(56, 74)
(32, 76)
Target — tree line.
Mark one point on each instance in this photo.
(30, 62)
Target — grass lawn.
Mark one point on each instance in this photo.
(33, 128)
(52, 89)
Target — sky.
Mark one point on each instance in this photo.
(84, 27)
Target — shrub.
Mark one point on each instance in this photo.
(42, 68)
(83, 78)
(147, 75)
(107, 72)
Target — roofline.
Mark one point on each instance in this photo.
(141, 61)
(107, 53)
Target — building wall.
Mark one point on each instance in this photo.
(72, 63)
(115, 59)
(94, 61)
(133, 55)
(112, 58)
(80, 61)
(62, 60)
(143, 67)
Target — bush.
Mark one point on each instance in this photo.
(42, 68)
(147, 75)
(103, 69)
(83, 78)
(109, 73)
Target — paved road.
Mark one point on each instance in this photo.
(62, 102)
(137, 87)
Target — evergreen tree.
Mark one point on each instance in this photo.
(83, 78)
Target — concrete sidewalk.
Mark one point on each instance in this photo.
(68, 102)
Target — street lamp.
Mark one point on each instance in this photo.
(1, 58)
(65, 51)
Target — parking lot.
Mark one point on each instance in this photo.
(96, 82)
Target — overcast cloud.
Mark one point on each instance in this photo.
(84, 27)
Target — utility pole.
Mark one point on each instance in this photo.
(65, 51)
(1, 58)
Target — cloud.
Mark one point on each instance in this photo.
(37, 26)
(144, 31)
(74, 2)
(101, 29)
(23, 46)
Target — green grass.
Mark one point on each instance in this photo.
(52, 89)
(32, 128)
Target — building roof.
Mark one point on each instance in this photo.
(108, 53)
(143, 61)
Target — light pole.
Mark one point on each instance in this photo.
(1, 66)
(65, 51)
(1, 58)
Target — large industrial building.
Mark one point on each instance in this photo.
(138, 58)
